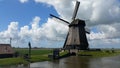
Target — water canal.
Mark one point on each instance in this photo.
(75, 62)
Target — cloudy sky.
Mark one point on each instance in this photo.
(29, 20)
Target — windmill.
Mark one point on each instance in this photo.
(76, 37)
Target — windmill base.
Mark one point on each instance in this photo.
(73, 51)
(78, 47)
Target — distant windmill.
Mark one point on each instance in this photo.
(76, 37)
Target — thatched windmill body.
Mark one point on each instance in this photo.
(76, 37)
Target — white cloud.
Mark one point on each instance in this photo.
(24, 31)
(51, 31)
(105, 43)
(54, 30)
(95, 10)
(98, 35)
(110, 31)
(23, 1)
(12, 31)
(35, 23)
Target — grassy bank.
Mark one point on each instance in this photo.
(42, 55)
(36, 55)
(12, 61)
(102, 53)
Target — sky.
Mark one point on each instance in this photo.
(29, 21)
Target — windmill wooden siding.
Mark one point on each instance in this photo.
(76, 38)
(6, 50)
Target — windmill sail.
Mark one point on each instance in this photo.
(59, 19)
(76, 10)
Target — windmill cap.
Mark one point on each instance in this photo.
(78, 22)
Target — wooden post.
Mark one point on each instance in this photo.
(29, 44)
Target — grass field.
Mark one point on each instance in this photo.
(36, 55)
(34, 51)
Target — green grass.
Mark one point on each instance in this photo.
(36, 56)
(103, 53)
(12, 61)
(34, 51)
(63, 53)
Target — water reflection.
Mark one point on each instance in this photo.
(17, 66)
(108, 62)
(75, 62)
(80, 62)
